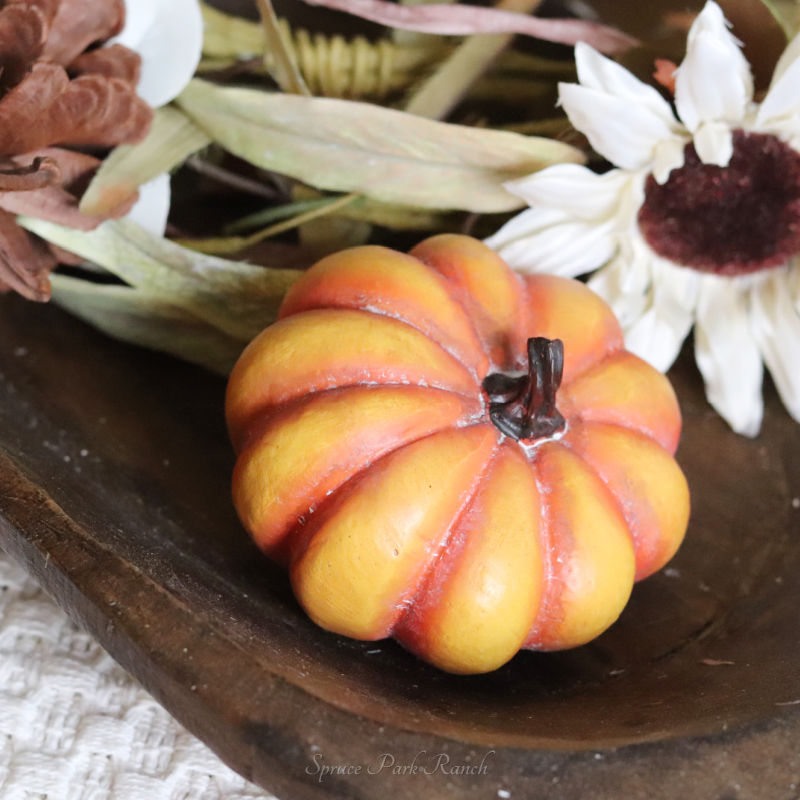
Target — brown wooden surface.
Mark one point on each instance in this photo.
(114, 473)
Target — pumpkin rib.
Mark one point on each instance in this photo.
(296, 549)
(263, 417)
(569, 443)
(249, 509)
(552, 635)
(379, 312)
(548, 601)
(496, 336)
(601, 323)
(252, 390)
(505, 340)
(321, 296)
(636, 508)
(338, 536)
(487, 541)
(620, 413)
(451, 530)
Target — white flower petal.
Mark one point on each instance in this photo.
(140, 16)
(782, 99)
(595, 71)
(668, 155)
(624, 133)
(570, 187)
(714, 81)
(713, 142)
(776, 327)
(169, 38)
(727, 354)
(789, 56)
(793, 280)
(567, 247)
(152, 207)
(524, 224)
(658, 334)
(623, 285)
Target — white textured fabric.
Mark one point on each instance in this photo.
(75, 726)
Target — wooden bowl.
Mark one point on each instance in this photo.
(114, 491)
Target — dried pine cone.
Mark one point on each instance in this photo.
(58, 90)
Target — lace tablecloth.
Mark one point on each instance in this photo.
(75, 726)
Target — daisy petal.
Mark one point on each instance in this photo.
(714, 82)
(624, 133)
(713, 142)
(789, 56)
(573, 188)
(524, 224)
(169, 38)
(595, 71)
(776, 327)
(152, 207)
(658, 334)
(781, 100)
(668, 155)
(614, 284)
(552, 243)
(727, 354)
(794, 283)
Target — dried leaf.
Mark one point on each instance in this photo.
(384, 154)
(462, 20)
(143, 319)
(172, 138)
(227, 36)
(236, 298)
(279, 57)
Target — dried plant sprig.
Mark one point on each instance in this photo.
(173, 137)
(442, 91)
(461, 20)
(227, 245)
(235, 298)
(279, 57)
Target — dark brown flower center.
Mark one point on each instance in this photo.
(728, 220)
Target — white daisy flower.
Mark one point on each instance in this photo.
(169, 38)
(699, 224)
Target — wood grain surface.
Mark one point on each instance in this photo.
(114, 492)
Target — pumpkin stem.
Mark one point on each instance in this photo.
(524, 406)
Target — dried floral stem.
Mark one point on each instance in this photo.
(440, 94)
(279, 58)
(235, 244)
(234, 180)
(273, 214)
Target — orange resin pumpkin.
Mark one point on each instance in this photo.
(406, 451)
